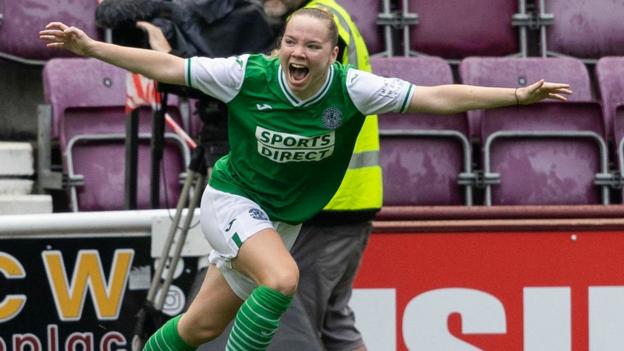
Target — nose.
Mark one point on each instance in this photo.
(298, 51)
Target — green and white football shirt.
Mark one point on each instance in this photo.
(286, 154)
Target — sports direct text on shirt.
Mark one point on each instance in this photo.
(285, 147)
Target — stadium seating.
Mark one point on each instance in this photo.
(610, 76)
(365, 14)
(426, 159)
(545, 154)
(87, 98)
(457, 29)
(21, 21)
(583, 29)
(618, 131)
(532, 155)
(517, 72)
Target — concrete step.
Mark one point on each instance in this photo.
(16, 159)
(16, 186)
(25, 204)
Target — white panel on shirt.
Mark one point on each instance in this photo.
(373, 94)
(220, 78)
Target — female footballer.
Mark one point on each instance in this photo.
(293, 121)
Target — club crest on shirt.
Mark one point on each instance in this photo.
(258, 214)
(332, 118)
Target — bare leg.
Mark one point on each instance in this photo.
(265, 259)
(211, 311)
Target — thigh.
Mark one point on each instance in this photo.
(266, 259)
(248, 247)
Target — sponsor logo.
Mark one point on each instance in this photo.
(391, 88)
(262, 107)
(286, 147)
(332, 118)
(230, 225)
(258, 214)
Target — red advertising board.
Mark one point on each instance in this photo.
(501, 290)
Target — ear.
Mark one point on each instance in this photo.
(334, 54)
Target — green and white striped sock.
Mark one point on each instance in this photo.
(257, 320)
(167, 338)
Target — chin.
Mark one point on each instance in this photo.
(297, 87)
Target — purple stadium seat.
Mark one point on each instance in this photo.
(459, 28)
(425, 159)
(618, 131)
(549, 153)
(87, 98)
(610, 76)
(584, 29)
(21, 22)
(518, 72)
(364, 13)
(63, 80)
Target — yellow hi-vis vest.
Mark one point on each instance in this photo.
(361, 187)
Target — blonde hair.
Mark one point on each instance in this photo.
(323, 15)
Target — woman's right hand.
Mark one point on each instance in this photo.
(59, 35)
(156, 37)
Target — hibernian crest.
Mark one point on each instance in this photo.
(332, 118)
(258, 214)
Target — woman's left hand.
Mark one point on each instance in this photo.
(541, 90)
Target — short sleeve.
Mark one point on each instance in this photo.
(373, 94)
(220, 78)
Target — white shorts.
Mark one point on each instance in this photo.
(227, 221)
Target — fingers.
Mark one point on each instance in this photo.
(557, 97)
(56, 25)
(53, 31)
(555, 91)
(558, 91)
(143, 24)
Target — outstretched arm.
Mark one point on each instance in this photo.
(455, 98)
(150, 63)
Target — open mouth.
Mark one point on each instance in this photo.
(298, 72)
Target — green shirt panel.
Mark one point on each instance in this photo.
(289, 159)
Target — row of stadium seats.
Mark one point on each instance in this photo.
(455, 29)
(88, 120)
(88, 117)
(550, 153)
(451, 29)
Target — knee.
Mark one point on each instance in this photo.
(283, 279)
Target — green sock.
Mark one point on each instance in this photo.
(167, 338)
(257, 320)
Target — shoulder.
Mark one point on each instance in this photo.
(259, 65)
